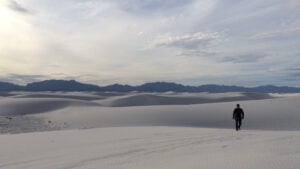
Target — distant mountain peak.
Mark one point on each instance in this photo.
(61, 85)
(73, 85)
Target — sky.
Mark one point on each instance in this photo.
(192, 42)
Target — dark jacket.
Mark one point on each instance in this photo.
(238, 113)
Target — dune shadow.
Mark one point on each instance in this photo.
(34, 106)
(62, 96)
(152, 99)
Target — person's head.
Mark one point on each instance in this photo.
(238, 105)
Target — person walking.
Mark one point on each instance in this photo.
(238, 116)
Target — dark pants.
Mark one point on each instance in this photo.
(238, 123)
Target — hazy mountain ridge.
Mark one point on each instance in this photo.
(72, 85)
(5, 86)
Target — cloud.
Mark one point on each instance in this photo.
(135, 8)
(296, 69)
(106, 39)
(18, 7)
(194, 41)
(277, 34)
(244, 58)
(296, 74)
(200, 44)
(22, 79)
(149, 7)
(200, 53)
(294, 3)
(293, 72)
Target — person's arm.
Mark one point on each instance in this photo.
(242, 114)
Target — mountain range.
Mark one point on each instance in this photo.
(72, 85)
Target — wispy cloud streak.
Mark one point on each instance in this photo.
(14, 5)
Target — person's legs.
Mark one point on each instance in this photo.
(240, 123)
(236, 124)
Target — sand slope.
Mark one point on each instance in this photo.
(151, 147)
(147, 99)
(148, 130)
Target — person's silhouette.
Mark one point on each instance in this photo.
(238, 116)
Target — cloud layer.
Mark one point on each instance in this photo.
(187, 41)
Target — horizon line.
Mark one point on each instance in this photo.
(24, 85)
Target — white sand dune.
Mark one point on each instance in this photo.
(142, 99)
(66, 96)
(148, 130)
(280, 113)
(151, 147)
(271, 114)
(23, 106)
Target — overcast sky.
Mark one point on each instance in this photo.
(193, 42)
